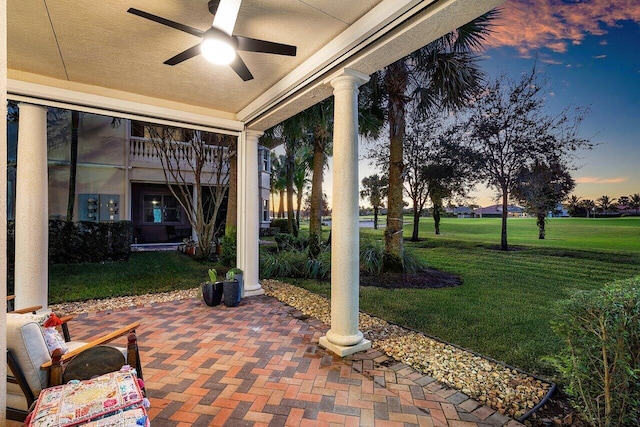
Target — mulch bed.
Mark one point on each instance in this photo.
(426, 279)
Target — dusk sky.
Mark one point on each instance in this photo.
(590, 52)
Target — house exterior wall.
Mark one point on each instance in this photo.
(113, 164)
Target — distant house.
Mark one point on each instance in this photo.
(462, 211)
(496, 211)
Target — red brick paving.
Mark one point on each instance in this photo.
(259, 364)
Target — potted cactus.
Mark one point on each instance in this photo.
(212, 290)
(232, 288)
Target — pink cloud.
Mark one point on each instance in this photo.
(598, 180)
(530, 25)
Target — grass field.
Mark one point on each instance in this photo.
(503, 309)
(507, 301)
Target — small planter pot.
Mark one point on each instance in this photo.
(212, 293)
(231, 290)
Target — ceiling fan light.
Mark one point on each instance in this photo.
(217, 51)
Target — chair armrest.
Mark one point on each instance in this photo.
(27, 310)
(65, 327)
(98, 341)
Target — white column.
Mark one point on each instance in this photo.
(32, 208)
(344, 338)
(3, 205)
(249, 212)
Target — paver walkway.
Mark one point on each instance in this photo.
(259, 364)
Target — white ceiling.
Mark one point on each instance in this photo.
(95, 50)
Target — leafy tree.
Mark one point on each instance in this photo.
(374, 190)
(588, 205)
(605, 204)
(508, 128)
(203, 157)
(442, 75)
(540, 187)
(634, 202)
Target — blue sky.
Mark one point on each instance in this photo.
(590, 53)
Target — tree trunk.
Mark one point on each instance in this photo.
(375, 217)
(298, 209)
(416, 223)
(396, 83)
(73, 164)
(281, 205)
(503, 235)
(315, 211)
(292, 229)
(542, 219)
(436, 218)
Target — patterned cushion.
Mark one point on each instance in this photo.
(82, 401)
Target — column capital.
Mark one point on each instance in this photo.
(347, 75)
(253, 134)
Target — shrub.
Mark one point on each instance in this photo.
(601, 362)
(282, 264)
(228, 253)
(372, 258)
(282, 224)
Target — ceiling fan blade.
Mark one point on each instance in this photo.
(248, 44)
(183, 56)
(226, 15)
(178, 26)
(241, 69)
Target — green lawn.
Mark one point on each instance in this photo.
(506, 302)
(145, 272)
(502, 310)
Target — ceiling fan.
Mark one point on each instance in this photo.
(218, 44)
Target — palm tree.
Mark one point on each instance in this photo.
(278, 180)
(442, 75)
(375, 188)
(634, 202)
(574, 204)
(605, 203)
(589, 205)
(318, 121)
(302, 161)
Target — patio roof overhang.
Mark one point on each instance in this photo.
(95, 55)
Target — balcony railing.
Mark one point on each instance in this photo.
(142, 152)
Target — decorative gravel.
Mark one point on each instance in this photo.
(507, 390)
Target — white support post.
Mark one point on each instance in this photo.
(32, 209)
(3, 205)
(249, 212)
(344, 338)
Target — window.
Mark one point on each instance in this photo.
(266, 156)
(161, 208)
(265, 210)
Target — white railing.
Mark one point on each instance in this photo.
(143, 151)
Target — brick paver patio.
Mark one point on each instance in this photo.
(259, 364)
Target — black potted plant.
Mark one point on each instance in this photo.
(232, 288)
(212, 290)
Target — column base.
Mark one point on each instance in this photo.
(343, 351)
(253, 291)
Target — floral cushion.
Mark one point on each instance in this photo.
(82, 401)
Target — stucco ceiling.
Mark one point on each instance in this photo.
(97, 48)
